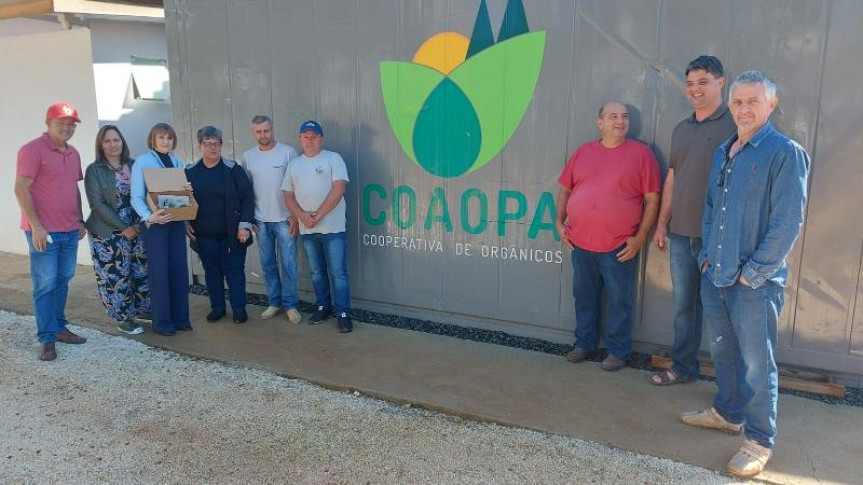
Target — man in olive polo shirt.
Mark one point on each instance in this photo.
(692, 145)
(46, 186)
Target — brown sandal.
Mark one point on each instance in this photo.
(666, 378)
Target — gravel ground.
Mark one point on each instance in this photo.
(116, 411)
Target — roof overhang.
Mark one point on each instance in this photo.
(142, 10)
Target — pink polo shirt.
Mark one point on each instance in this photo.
(608, 187)
(55, 173)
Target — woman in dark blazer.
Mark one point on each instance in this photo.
(164, 238)
(119, 259)
(223, 228)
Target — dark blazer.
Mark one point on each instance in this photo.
(239, 200)
(100, 187)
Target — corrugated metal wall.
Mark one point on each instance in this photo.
(299, 60)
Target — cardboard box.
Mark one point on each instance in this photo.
(169, 181)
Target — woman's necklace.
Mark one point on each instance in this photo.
(119, 171)
(118, 168)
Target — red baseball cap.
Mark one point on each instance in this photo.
(62, 110)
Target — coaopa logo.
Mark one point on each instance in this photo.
(458, 103)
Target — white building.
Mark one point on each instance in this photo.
(105, 58)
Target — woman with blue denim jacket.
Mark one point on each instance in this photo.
(164, 238)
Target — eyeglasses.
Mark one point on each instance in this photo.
(67, 124)
(211, 144)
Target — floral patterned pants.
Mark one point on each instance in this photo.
(121, 273)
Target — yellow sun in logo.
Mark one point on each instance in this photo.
(443, 51)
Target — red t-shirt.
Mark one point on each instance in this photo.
(608, 187)
(55, 173)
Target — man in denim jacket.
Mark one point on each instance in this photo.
(753, 212)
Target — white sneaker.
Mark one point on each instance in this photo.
(270, 312)
(130, 327)
(750, 460)
(710, 419)
(294, 316)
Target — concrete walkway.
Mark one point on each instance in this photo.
(817, 443)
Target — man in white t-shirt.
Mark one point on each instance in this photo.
(276, 226)
(314, 189)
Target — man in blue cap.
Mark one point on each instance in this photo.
(314, 188)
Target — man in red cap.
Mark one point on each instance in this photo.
(46, 186)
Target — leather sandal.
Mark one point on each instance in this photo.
(667, 378)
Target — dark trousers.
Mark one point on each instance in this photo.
(223, 264)
(169, 275)
(593, 272)
(686, 290)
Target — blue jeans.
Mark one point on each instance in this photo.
(327, 259)
(221, 264)
(591, 272)
(280, 274)
(51, 270)
(742, 326)
(686, 288)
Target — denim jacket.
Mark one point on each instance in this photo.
(753, 210)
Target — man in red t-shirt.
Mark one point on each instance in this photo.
(46, 186)
(608, 203)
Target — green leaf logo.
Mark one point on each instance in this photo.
(459, 102)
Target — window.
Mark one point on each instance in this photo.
(150, 79)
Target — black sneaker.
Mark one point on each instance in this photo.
(345, 323)
(240, 316)
(321, 314)
(215, 315)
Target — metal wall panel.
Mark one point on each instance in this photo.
(799, 43)
(542, 137)
(680, 40)
(209, 73)
(251, 88)
(856, 329)
(826, 327)
(615, 44)
(300, 60)
(251, 74)
(377, 152)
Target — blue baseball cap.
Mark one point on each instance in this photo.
(311, 125)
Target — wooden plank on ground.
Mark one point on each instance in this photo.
(25, 8)
(815, 387)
